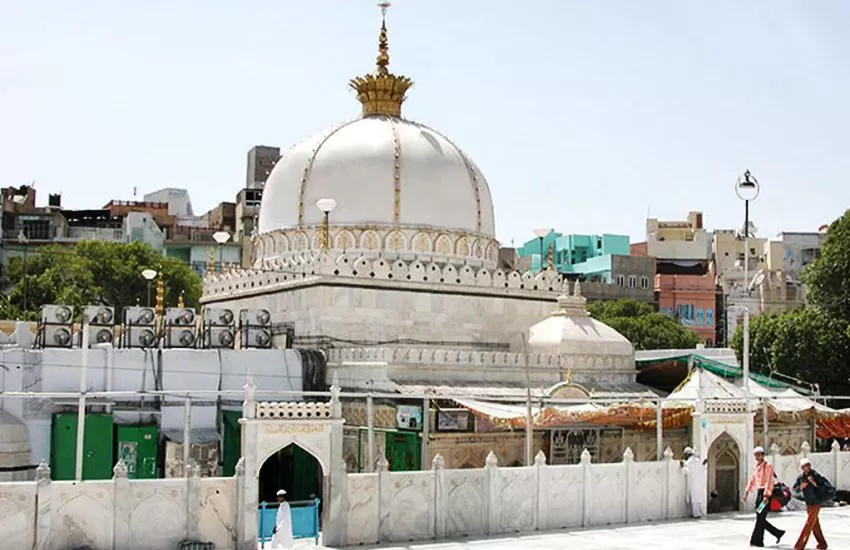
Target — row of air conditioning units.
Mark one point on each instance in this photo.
(141, 328)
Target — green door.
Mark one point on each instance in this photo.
(403, 451)
(97, 447)
(305, 474)
(137, 445)
(231, 445)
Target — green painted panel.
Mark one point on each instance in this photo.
(231, 441)
(97, 447)
(305, 475)
(138, 446)
(403, 451)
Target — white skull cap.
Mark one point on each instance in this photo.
(758, 450)
(281, 493)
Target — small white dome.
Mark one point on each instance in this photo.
(569, 330)
(380, 170)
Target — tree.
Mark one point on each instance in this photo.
(827, 277)
(642, 325)
(95, 273)
(807, 344)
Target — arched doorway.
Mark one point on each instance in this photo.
(724, 467)
(293, 469)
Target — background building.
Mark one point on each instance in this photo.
(684, 282)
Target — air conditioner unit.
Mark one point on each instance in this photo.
(256, 337)
(103, 316)
(57, 315)
(141, 337)
(139, 316)
(218, 317)
(179, 316)
(57, 336)
(220, 337)
(255, 317)
(100, 335)
(180, 337)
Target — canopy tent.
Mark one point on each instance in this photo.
(783, 405)
(723, 364)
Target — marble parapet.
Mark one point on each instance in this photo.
(309, 268)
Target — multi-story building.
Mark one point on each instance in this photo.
(603, 259)
(800, 249)
(261, 161)
(770, 287)
(684, 282)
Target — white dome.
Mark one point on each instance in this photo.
(382, 171)
(570, 331)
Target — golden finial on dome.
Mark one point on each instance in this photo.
(381, 93)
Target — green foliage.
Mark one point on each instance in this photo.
(807, 344)
(828, 277)
(95, 273)
(642, 325)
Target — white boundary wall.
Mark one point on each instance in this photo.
(381, 507)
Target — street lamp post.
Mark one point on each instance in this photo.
(540, 233)
(149, 275)
(221, 237)
(747, 189)
(326, 206)
(22, 238)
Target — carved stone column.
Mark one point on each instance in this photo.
(121, 498)
(44, 510)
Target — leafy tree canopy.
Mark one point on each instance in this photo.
(94, 273)
(806, 344)
(642, 325)
(828, 277)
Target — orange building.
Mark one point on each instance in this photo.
(691, 300)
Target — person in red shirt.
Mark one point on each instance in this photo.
(762, 482)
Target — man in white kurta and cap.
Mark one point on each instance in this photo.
(282, 534)
(695, 476)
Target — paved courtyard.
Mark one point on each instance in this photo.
(727, 532)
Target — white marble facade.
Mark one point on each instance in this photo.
(404, 506)
(121, 514)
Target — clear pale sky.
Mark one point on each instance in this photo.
(583, 115)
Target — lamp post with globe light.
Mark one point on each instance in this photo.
(326, 206)
(149, 275)
(221, 237)
(541, 233)
(747, 189)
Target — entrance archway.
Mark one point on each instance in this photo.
(295, 446)
(293, 469)
(724, 466)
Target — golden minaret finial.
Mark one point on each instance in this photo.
(381, 93)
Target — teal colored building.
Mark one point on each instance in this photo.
(589, 256)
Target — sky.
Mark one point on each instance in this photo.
(584, 116)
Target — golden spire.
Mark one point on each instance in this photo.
(381, 93)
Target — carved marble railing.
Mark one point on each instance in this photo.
(451, 357)
(441, 503)
(293, 411)
(725, 406)
(282, 273)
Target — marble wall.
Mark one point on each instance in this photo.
(119, 514)
(441, 503)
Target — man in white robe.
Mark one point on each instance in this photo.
(282, 534)
(695, 476)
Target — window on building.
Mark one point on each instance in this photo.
(709, 317)
(700, 317)
(632, 281)
(621, 281)
(644, 282)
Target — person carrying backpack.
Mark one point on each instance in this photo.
(816, 490)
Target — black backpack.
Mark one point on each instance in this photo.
(825, 489)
